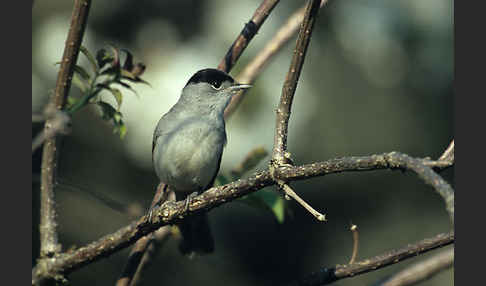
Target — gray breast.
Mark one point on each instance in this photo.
(187, 155)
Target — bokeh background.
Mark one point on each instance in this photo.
(378, 77)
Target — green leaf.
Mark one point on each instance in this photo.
(278, 209)
(221, 180)
(103, 57)
(108, 112)
(122, 130)
(113, 70)
(114, 91)
(89, 56)
(127, 86)
(128, 65)
(267, 200)
(82, 72)
(80, 83)
(118, 96)
(71, 100)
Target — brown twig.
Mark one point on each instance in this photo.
(158, 239)
(280, 156)
(354, 230)
(328, 275)
(173, 212)
(422, 270)
(48, 235)
(257, 65)
(245, 36)
(290, 83)
(292, 194)
(140, 256)
(448, 154)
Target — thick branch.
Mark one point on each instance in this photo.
(48, 234)
(290, 84)
(422, 270)
(329, 275)
(173, 212)
(245, 36)
(257, 65)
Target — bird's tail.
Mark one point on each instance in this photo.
(196, 235)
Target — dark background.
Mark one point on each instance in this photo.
(377, 78)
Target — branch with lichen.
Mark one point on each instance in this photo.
(249, 31)
(173, 212)
(253, 69)
(49, 244)
(280, 156)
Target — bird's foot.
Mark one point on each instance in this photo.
(189, 199)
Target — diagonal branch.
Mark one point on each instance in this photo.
(290, 84)
(329, 275)
(422, 270)
(257, 65)
(173, 212)
(245, 36)
(280, 156)
(140, 255)
(48, 234)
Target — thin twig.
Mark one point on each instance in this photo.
(48, 235)
(354, 230)
(329, 275)
(173, 212)
(158, 239)
(245, 36)
(280, 155)
(448, 154)
(422, 270)
(290, 192)
(137, 258)
(257, 65)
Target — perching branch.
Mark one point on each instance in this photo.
(48, 235)
(329, 275)
(135, 261)
(422, 270)
(140, 255)
(257, 65)
(245, 36)
(280, 156)
(173, 212)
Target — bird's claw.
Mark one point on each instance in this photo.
(189, 199)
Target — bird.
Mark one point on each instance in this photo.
(187, 147)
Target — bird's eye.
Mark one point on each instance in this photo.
(216, 85)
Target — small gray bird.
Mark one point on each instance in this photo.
(188, 144)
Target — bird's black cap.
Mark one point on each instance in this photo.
(212, 76)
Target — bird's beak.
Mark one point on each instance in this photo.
(237, 87)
